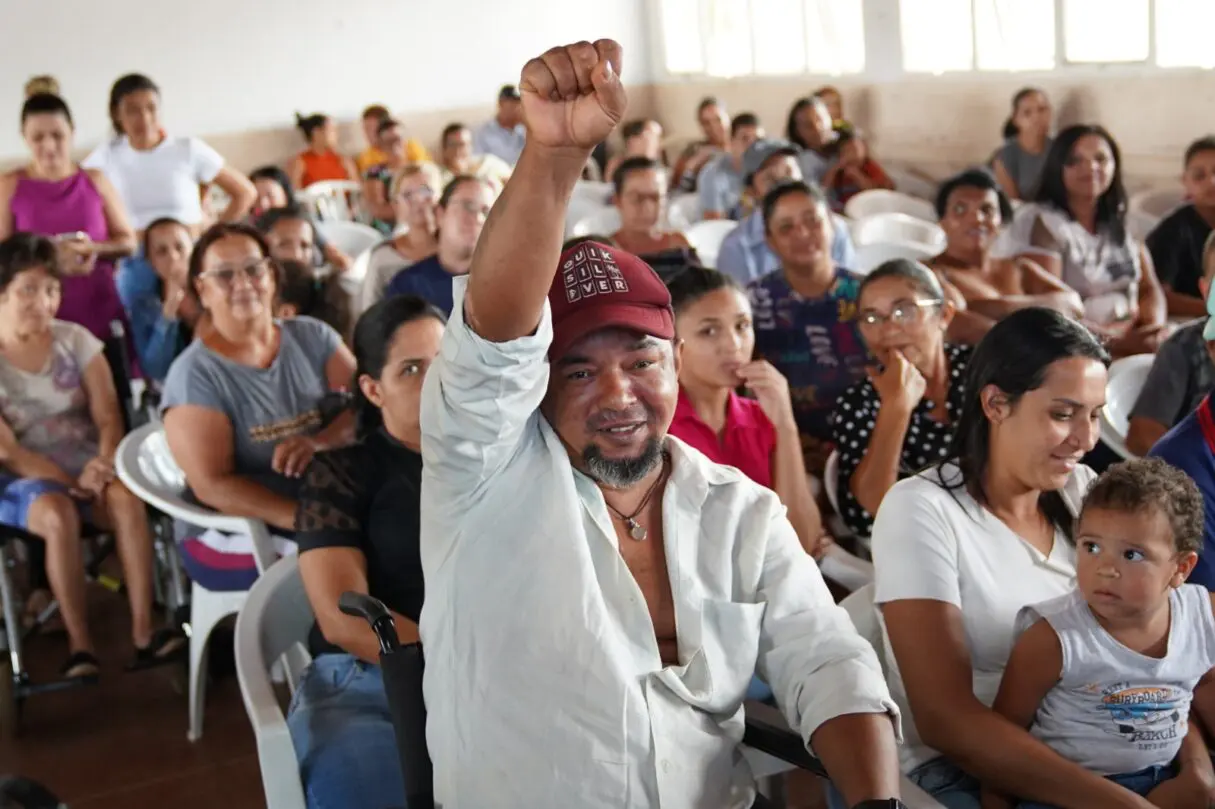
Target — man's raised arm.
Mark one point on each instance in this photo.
(572, 99)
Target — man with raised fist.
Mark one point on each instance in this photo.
(598, 593)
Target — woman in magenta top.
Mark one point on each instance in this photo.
(756, 436)
(76, 207)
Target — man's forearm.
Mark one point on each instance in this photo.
(861, 756)
(516, 256)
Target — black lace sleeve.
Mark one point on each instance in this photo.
(333, 501)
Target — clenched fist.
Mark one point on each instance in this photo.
(572, 95)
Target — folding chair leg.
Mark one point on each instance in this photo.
(12, 616)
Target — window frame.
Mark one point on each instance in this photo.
(882, 32)
(660, 48)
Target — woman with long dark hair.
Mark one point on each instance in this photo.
(358, 524)
(1076, 227)
(961, 547)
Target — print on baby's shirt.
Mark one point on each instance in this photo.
(1145, 716)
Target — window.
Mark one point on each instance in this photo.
(954, 35)
(940, 36)
(1097, 31)
(727, 38)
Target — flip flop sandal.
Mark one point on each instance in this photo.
(166, 646)
(81, 665)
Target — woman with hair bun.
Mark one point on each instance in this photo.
(321, 160)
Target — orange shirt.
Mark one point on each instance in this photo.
(326, 166)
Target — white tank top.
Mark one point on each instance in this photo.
(1115, 711)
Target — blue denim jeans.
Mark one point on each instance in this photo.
(951, 787)
(343, 737)
(1141, 783)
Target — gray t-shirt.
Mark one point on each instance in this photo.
(265, 405)
(1115, 711)
(1181, 374)
(1023, 167)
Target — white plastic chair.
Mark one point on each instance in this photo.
(706, 238)
(352, 279)
(879, 200)
(1126, 379)
(1140, 224)
(908, 181)
(831, 479)
(146, 467)
(330, 200)
(589, 198)
(871, 256)
(352, 238)
(683, 211)
(601, 222)
(1156, 202)
(273, 625)
(899, 228)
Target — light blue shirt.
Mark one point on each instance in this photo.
(745, 254)
(814, 166)
(493, 138)
(720, 185)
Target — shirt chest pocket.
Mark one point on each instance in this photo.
(721, 669)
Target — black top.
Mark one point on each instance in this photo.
(1176, 248)
(367, 496)
(927, 439)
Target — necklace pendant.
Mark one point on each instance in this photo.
(636, 530)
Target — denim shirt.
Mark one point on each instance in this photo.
(492, 138)
(719, 186)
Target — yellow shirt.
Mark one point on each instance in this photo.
(415, 152)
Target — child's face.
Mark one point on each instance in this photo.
(1199, 179)
(169, 249)
(1127, 563)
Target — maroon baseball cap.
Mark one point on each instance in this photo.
(599, 287)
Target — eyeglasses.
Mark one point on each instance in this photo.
(226, 276)
(904, 313)
(472, 208)
(423, 193)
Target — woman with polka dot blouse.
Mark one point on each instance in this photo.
(901, 418)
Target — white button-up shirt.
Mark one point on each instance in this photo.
(544, 684)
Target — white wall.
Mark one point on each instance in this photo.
(229, 66)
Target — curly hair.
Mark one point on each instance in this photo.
(1150, 483)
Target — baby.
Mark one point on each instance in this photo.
(1104, 676)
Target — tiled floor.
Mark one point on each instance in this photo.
(122, 743)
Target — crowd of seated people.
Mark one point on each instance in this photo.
(959, 395)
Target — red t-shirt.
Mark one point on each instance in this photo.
(747, 442)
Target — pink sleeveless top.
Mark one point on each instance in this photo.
(69, 206)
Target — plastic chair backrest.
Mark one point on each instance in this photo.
(1126, 380)
(863, 612)
(899, 228)
(706, 238)
(145, 465)
(871, 256)
(683, 211)
(601, 222)
(352, 238)
(270, 628)
(332, 199)
(831, 479)
(1156, 202)
(879, 200)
